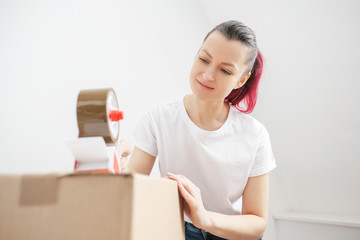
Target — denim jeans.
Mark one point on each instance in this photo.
(194, 233)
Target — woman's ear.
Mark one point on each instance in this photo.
(243, 81)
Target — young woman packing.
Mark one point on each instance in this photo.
(219, 155)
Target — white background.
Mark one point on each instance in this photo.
(50, 50)
(308, 99)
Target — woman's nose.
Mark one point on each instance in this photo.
(209, 74)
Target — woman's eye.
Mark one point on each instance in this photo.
(203, 60)
(226, 72)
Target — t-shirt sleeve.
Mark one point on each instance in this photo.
(143, 135)
(264, 160)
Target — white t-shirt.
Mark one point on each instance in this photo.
(218, 162)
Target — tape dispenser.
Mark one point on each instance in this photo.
(98, 117)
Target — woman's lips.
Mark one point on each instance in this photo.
(207, 87)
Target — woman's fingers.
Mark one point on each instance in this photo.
(181, 187)
(186, 185)
(193, 206)
(184, 192)
(173, 176)
(182, 178)
(126, 148)
(124, 162)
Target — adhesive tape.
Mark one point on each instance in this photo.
(93, 109)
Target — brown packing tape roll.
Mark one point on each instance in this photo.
(93, 108)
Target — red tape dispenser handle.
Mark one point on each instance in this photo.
(116, 115)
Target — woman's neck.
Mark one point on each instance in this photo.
(206, 115)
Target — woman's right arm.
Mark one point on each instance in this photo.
(141, 162)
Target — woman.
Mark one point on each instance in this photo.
(219, 155)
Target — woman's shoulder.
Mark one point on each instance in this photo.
(246, 121)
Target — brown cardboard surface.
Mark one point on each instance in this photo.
(38, 189)
(89, 206)
(157, 192)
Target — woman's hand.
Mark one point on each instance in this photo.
(250, 225)
(125, 150)
(193, 206)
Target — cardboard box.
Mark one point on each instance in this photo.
(90, 206)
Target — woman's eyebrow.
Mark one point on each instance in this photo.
(224, 63)
(207, 53)
(230, 64)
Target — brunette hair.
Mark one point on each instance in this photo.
(235, 30)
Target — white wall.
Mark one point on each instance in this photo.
(50, 50)
(309, 99)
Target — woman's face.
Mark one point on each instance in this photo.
(218, 68)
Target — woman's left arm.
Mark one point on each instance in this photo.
(250, 225)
